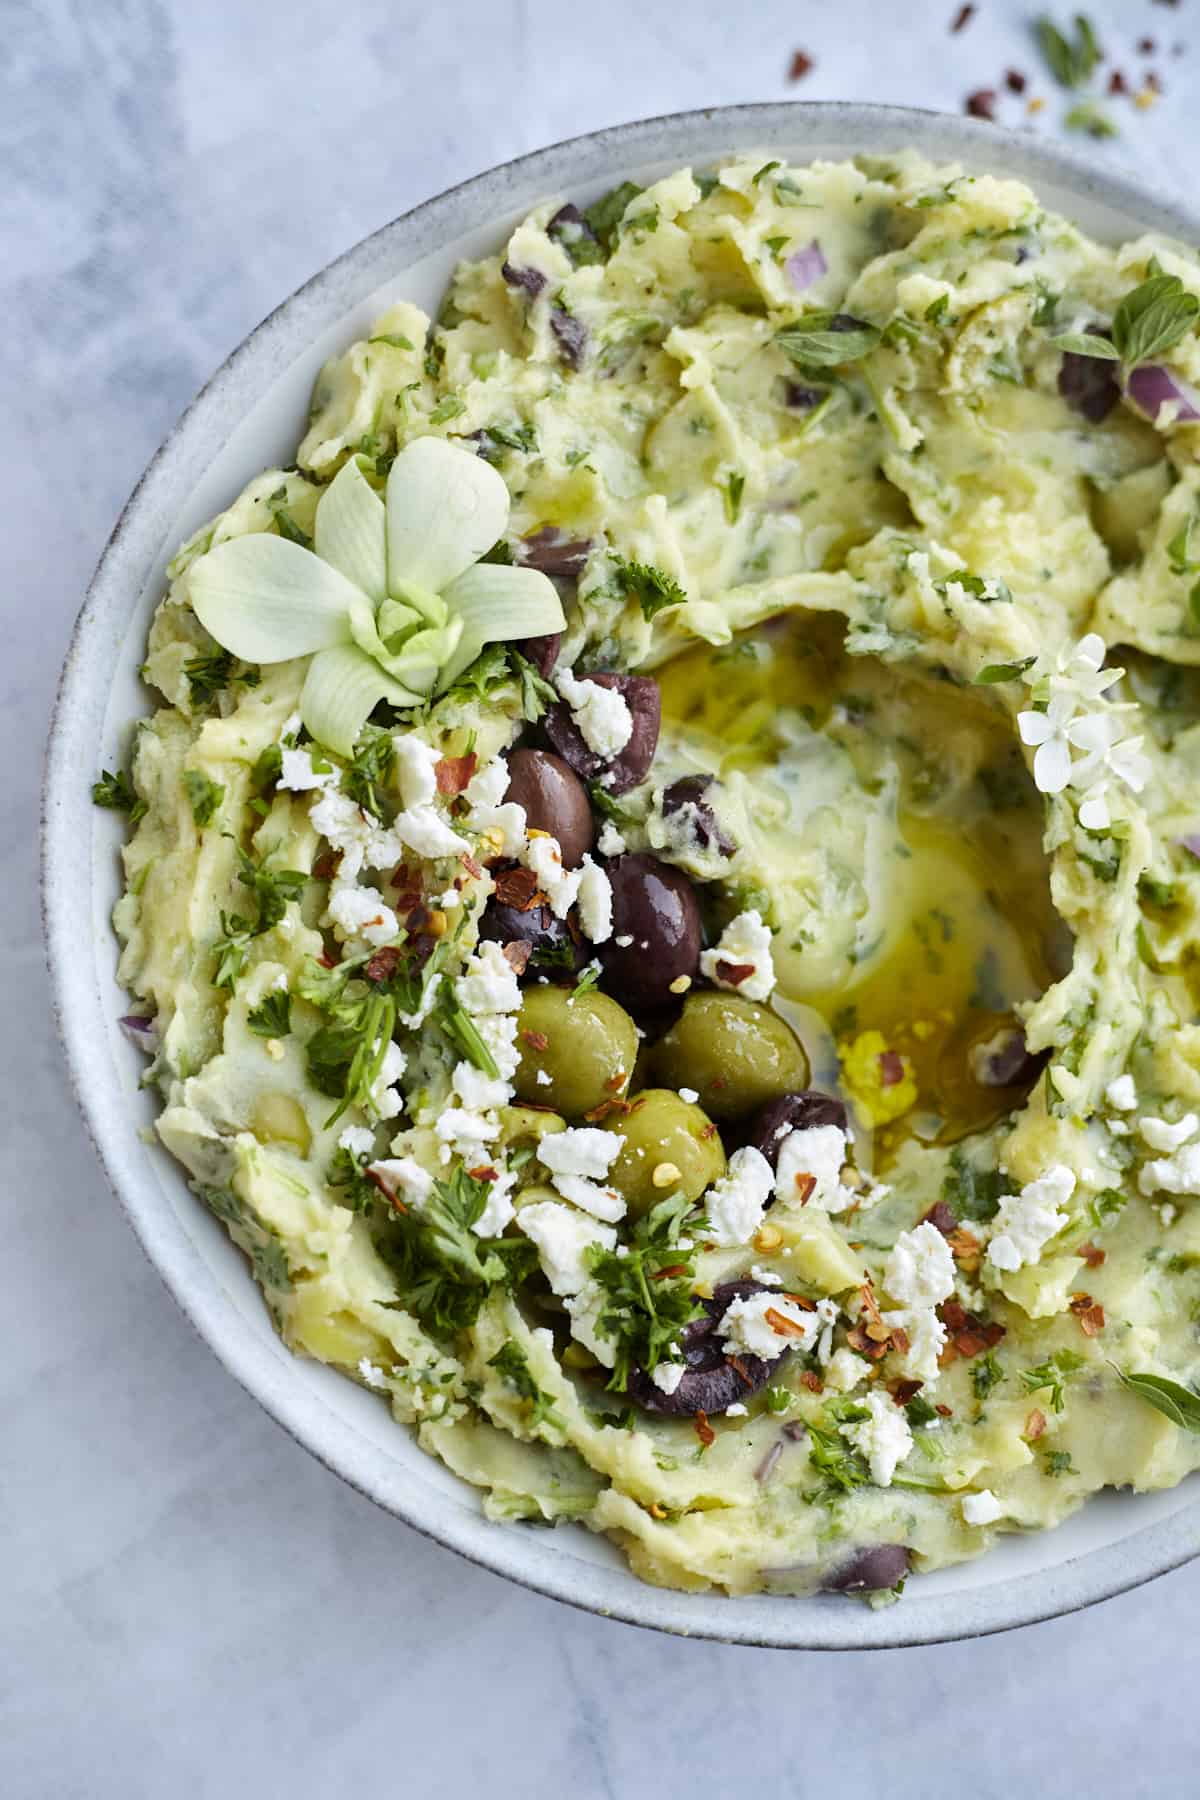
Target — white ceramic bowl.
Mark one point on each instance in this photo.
(251, 415)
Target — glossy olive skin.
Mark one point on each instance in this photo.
(656, 906)
(871, 1569)
(630, 766)
(736, 1054)
(555, 800)
(549, 938)
(711, 1382)
(587, 1046)
(691, 792)
(766, 1131)
(659, 1129)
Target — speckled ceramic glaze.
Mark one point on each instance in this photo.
(249, 416)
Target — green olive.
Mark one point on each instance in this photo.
(670, 1145)
(587, 1046)
(734, 1053)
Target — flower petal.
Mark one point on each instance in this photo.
(1052, 766)
(1095, 732)
(1034, 727)
(351, 531)
(1094, 813)
(267, 599)
(341, 690)
(445, 508)
(496, 604)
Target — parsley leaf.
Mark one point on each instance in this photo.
(347, 1176)
(116, 793)
(1072, 58)
(345, 1055)
(272, 1018)
(204, 796)
(652, 588)
(448, 408)
(827, 339)
(369, 768)
(284, 522)
(272, 890)
(733, 490)
(536, 692)
(644, 1309)
(513, 1364)
(991, 673)
(444, 1272)
(973, 1193)
(986, 1374)
(231, 948)
(604, 215)
(209, 676)
(1050, 1374)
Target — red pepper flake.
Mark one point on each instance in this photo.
(942, 1218)
(616, 1081)
(326, 865)
(383, 965)
(537, 1040)
(739, 1367)
(805, 1184)
(904, 1391)
(328, 962)
(1035, 1425)
(453, 773)
(484, 1173)
(812, 1381)
(518, 888)
(964, 1245)
(604, 1110)
(968, 1334)
(1092, 1255)
(866, 1346)
(891, 1068)
(1090, 1314)
(946, 1412)
(708, 1131)
(1146, 46)
(1015, 82)
(782, 1326)
(982, 103)
(704, 1430)
(1153, 82)
(962, 18)
(1117, 83)
(517, 955)
(669, 1273)
(802, 1301)
(801, 65)
(734, 973)
(470, 865)
(388, 1193)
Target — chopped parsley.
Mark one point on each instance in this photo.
(644, 1308)
(974, 1194)
(204, 796)
(604, 219)
(116, 793)
(733, 489)
(369, 768)
(651, 587)
(448, 408)
(284, 522)
(444, 1272)
(826, 339)
(272, 1017)
(347, 1176)
(209, 676)
(986, 1374)
(1050, 1375)
(512, 1363)
(1071, 57)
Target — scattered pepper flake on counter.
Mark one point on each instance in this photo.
(962, 17)
(982, 103)
(801, 65)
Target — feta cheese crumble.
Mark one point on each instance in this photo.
(562, 1236)
(601, 714)
(416, 765)
(1027, 1221)
(667, 1376)
(982, 1508)
(1161, 1135)
(361, 912)
(578, 1161)
(404, 1179)
(920, 1270)
(808, 1171)
(744, 943)
(1178, 1174)
(746, 1328)
(356, 1139)
(488, 984)
(1121, 1094)
(595, 902)
(884, 1438)
(735, 1203)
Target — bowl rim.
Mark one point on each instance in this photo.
(129, 556)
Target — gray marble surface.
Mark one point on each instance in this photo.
(188, 1604)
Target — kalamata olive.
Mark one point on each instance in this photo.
(532, 281)
(554, 553)
(571, 335)
(553, 948)
(655, 908)
(555, 800)
(791, 1112)
(711, 1381)
(1087, 383)
(542, 652)
(1006, 1061)
(870, 1570)
(642, 697)
(688, 796)
(569, 228)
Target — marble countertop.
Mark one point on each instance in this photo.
(188, 1603)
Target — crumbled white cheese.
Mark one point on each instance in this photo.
(601, 714)
(385, 1098)
(488, 984)
(1028, 1220)
(691, 1095)
(1121, 1094)
(744, 941)
(745, 1326)
(735, 1203)
(416, 763)
(346, 828)
(1178, 1174)
(298, 775)
(422, 828)
(736, 1411)
(610, 842)
(561, 886)
(562, 1236)
(809, 1169)
(487, 809)
(1161, 1135)
(489, 784)
(920, 1269)
(499, 1034)
(768, 1277)
(544, 1078)
(498, 1208)
(601, 1202)
(982, 1508)
(584, 1311)
(362, 912)
(404, 1178)
(667, 1376)
(595, 902)
(464, 1129)
(582, 1150)
(356, 1139)
(884, 1438)
(476, 1089)
(926, 1337)
(844, 1371)
(373, 1376)
(623, 940)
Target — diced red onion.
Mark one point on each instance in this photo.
(1191, 844)
(1152, 387)
(803, 267)
(140, 1031)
